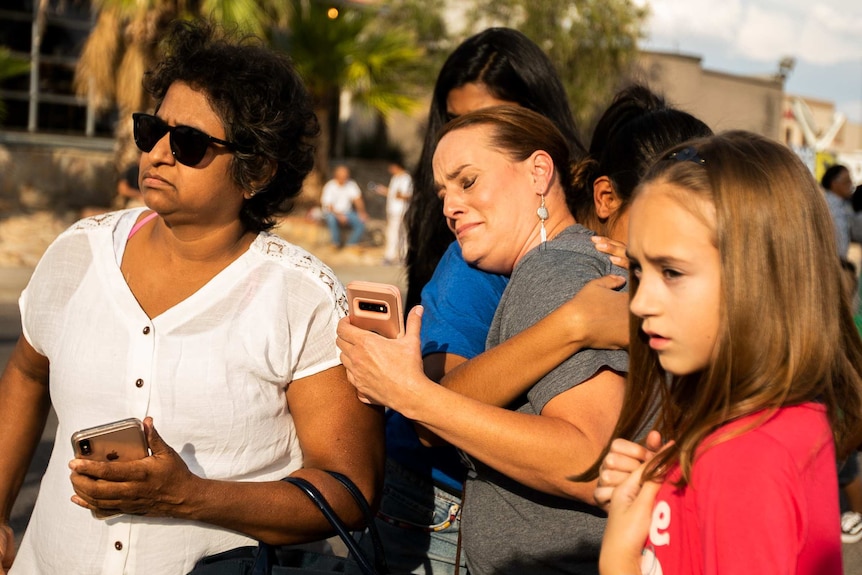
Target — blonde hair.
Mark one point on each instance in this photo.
(786, 332)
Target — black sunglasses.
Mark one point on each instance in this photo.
(188, 145)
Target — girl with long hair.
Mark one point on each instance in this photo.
(744, 354)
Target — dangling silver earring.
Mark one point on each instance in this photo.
(542, 212)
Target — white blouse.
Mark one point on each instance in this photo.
(212, 372)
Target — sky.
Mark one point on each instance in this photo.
(749, 37)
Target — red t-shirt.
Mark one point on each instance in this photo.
(763, 502)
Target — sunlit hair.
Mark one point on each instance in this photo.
(786, 334)
(513, 69)
(262, 102)
(518, 132)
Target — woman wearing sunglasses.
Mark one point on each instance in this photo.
(190, 316)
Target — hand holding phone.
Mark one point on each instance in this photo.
(123, 440)
(376, 307)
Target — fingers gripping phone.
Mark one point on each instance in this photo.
(376, 307)
(117, 441)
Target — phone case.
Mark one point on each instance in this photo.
(118, 441)
(376, 307)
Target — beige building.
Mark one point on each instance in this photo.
(724, 101)
(813, 128)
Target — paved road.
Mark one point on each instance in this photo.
(13, 280)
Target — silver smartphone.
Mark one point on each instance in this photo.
(122, 440)
(376, 307)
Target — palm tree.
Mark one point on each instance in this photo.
(10, 66)
(352, 51)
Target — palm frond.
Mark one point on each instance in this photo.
(10, 65)
(130, 73)
(94, 75)
(247, 16)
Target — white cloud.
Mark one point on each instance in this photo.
(831, 34)
(766, 35)
(824, 32)
(678, 20)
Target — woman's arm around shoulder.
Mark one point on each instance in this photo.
(597, 317)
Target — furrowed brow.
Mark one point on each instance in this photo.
(456, 172)
(438, 185)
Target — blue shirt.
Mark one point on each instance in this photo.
(459, 303)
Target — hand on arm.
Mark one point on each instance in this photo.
(24, 406)
(542, 451)
(336, 433)
(596, 317)
(615, 250)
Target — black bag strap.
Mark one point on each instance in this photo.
(377, 542)
(362, 561)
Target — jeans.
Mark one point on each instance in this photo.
(418, 524)
(357, 226)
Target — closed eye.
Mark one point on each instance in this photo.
(670, 274)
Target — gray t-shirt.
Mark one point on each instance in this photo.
(508, 527)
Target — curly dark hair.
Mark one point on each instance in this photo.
(262, 102)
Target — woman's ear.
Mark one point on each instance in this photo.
(542, 170)
(260, 184)
(605, 198)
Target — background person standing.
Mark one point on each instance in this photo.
(838, 186)
(398, 194)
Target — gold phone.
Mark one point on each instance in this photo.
(123, 440)
(376, 307)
